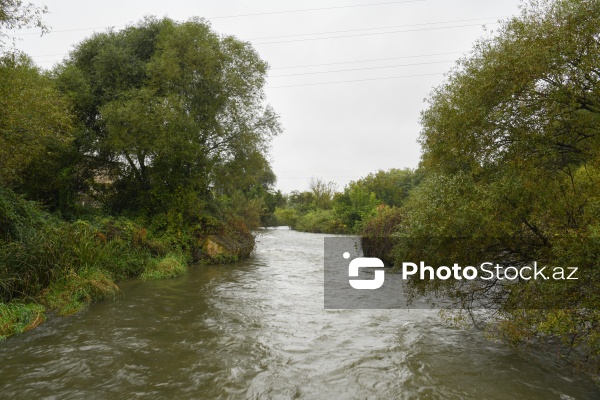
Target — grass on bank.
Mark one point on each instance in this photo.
(18, 318)
(69, 266)
(170, 266)
(62, 267)
(75, 291)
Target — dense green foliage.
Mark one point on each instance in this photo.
(32, 116)
(171, 115)
(139, 149)
(378, 233)
(511, 173)
(68, 265)
(322, 209)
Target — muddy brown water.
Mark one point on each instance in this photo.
(257, 329)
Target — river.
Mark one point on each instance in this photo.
(257, 329)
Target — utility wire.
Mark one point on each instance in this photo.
(364, 61)
(341, 63)
(371, 34)
(361, 69)
(318, 65)
(246, 15)
(324, 33)
(383, 27)
(70, 30)
(318, 9)
(354, 30)
(354, 80)
(50, 55)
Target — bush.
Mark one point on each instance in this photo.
(320, 221)
(377, 233)
(66, 266)
(234, 242)
(286, 217)
(18, 217)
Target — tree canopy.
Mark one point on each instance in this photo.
(511, 160)
(32, 115)
(169, 113)
(148, 149)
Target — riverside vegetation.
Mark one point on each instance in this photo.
(143, 151)
(132, 150)
(511, 168)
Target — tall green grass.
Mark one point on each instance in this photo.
(60, 250)
(76, 290)
(19, 218)
(63, 267)
(18, 318)
(168, 267)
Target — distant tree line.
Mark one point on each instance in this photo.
(323, 209)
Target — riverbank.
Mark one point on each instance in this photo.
(48, 265)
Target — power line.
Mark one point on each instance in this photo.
(50, 55)
(341, 63)
(361, 69)
(246, 15)
(71, 30)
(355, 80)
(324, 33)
(383, 27)
(48, 61)
(371, 34)
(364, 61)
(334, 37)
(350, 62)
(318, 9)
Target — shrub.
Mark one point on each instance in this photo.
(18, 217)
(320, 221)
(286, 217)
(377, 233)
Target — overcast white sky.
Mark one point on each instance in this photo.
(398, 50)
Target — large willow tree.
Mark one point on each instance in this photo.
(512, 156)
(169, 114)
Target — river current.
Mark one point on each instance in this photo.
(258, 329)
